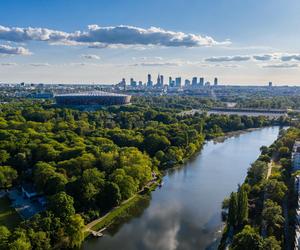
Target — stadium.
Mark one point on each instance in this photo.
(92, 98)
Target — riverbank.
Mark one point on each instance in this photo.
(120, 211)
(227, 135)
(268, 193)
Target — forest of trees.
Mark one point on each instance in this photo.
(255, 218)
(86, 163)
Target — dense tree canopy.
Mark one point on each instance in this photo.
(87, 162)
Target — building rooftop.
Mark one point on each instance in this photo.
(91, 93)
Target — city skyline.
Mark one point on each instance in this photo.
(103, 42)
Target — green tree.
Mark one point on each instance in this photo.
(242, 214)
(272, 216)
(257, 172)
(75, 230)
(110, 196)
(7, 176)
(39, 240)
(275, 190)
(271, 243)
(61, 205)
(4, 237)
(233, 210)
(4, 156)
(20, 241)
(155, 142)
(247, 239)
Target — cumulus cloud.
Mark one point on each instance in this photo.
(9, 50)
(8, 64)
(228, 59)
(101, 37)
(39, 64)
(291, 57)
(281, 65)
(145, 58)
(16, 34)
(156, 64)
(90, 56)
(266, 57)
(227, 66)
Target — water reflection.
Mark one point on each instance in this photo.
(185, 213)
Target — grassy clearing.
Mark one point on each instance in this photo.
(123, 211)
(276, 170)
(117, 213)
(8, 216)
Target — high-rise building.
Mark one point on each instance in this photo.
(194, 81)
(178, 82)
(270, 84)
(162, 80)
(215, 81)
(170, 81)
(132, 82)
(201, 83)
(140, 83)
(122, 84)
(149, 81)
(158, 80)
(187, 83)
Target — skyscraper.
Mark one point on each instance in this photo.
(162, 80)
(149, 81)
(201, 83)
(132, 82)
(170, 81)
(122, 84)
(216, 81)
(178, 82)
(194, 81)
(187, 83)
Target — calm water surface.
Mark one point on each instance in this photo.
(185, 212)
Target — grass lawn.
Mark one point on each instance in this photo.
(8, 216)
(276, 170)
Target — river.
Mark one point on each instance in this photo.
(185, 212)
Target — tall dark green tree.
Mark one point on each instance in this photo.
(242, 215)
(233, 210)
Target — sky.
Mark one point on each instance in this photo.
(102, 41)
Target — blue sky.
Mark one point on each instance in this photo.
(240, 41)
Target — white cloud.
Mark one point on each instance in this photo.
(227, 66)
(8, 64)
(9, 50)
(16, 34)
(102, 37)
(39, 64)
(228, 59)
(266, 57)
(290, 57)
(281, 65)
(157, 64)
(90, 56)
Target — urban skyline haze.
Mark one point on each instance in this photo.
(105, 41)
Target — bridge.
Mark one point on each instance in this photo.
(272, 113)
(250, 110)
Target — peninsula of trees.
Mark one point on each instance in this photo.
(260, 215)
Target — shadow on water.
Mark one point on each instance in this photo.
(134, 212)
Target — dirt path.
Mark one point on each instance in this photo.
(270, 166)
